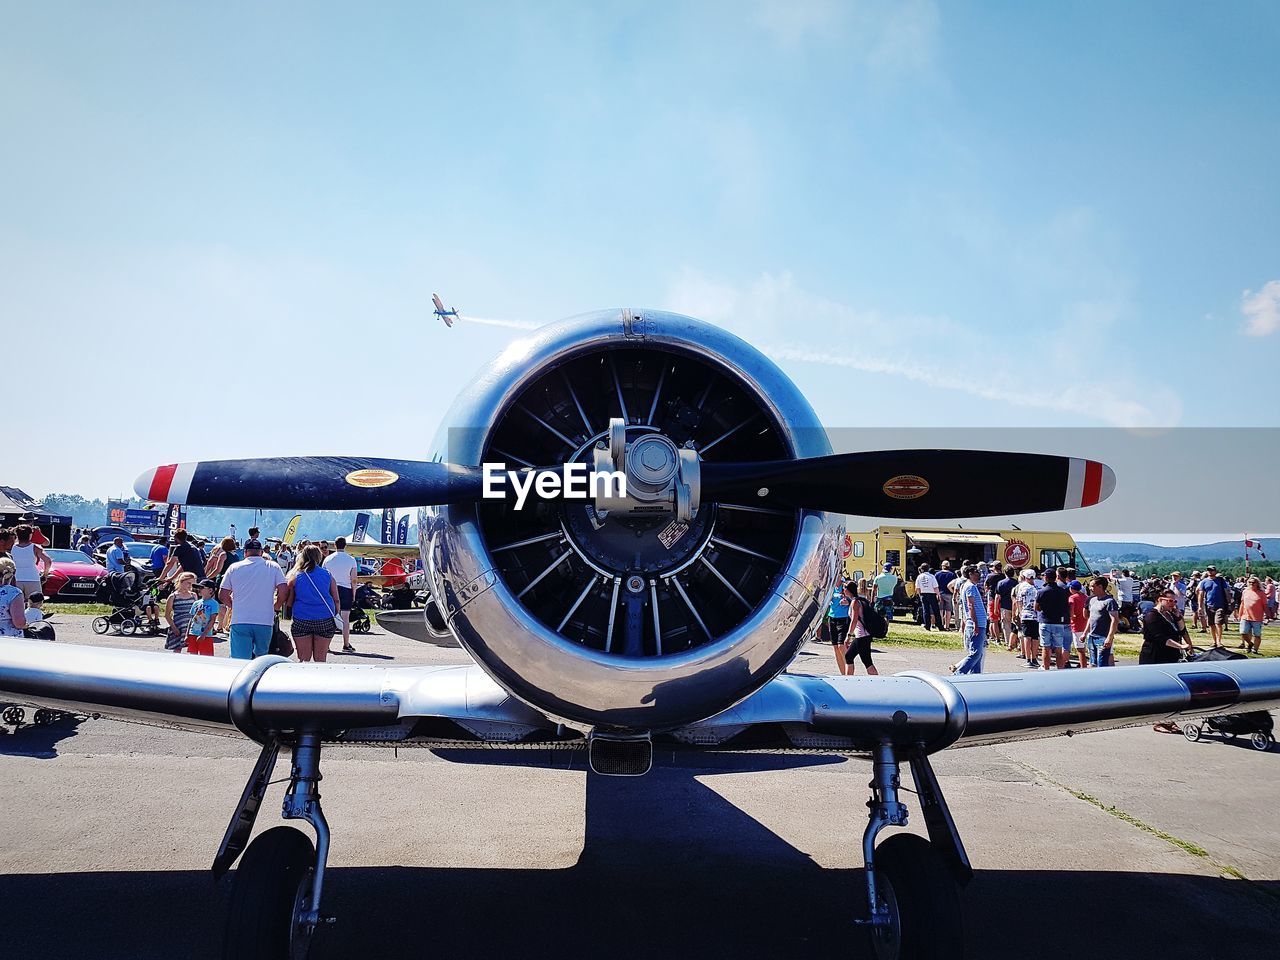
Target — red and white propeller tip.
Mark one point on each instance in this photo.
(1088, 482)
(170, 483)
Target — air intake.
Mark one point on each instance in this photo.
(620, 756)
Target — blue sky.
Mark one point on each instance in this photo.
(1058, 214)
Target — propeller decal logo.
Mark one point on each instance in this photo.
(372, 478)
(907, 486)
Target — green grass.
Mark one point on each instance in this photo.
(88, 609)
(904, 633)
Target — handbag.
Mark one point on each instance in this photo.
(281, 642)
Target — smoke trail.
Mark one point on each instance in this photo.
(505, 324)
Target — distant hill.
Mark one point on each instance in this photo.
(1101, 551)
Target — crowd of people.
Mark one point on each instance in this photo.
(240, 590)
(1051, 619)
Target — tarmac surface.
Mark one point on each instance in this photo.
(1119, 844)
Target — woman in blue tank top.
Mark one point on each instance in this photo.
(314, 597)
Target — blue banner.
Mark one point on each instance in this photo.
(362, 527)
(389, 525)
(402, 530)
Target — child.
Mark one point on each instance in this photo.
(204, 613)
(35, 609)
(177, 610)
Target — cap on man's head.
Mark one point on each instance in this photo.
(1028, 574)
(211, 584)
(946, 564)
(1211, 569)
(118, 541)
(1076, 585)
(252, 544)
(888, 566)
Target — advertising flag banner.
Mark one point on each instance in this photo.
(362, 527)
(291, 530)
(389, 525)
(173, 521)
(402, 530)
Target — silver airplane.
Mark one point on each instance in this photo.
(666, 615)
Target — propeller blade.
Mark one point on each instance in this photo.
(310, 483)
(915, 484)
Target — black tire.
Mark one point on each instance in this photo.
(1192, 731)
(264, 892)
(1260, 741)
(922, 892)
(101, 624)
(128, 626)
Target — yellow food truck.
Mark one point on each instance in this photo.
(906, 548)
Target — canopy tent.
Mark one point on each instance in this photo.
(17, 507)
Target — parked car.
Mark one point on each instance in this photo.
(139, 554)
(105, 535)
(73, 576)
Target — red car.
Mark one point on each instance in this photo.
(73, 577)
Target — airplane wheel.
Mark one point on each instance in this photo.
(45, 716)
(13, 715)
(268, 889)
(1261, 741)
(923, 902)
(1191, 731)
(101, 624)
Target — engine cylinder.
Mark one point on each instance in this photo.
(637, 621)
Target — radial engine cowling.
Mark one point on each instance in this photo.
(626, 621)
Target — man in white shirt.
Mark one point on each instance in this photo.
(927, 590)
(342, 567)
(255, 588)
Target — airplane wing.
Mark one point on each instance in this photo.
(382, 551)
(435, 298)
(461, 705)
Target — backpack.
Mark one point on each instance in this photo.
(873, 621)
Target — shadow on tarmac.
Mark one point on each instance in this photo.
(39, 741)
(669, 868)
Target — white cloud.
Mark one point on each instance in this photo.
(1262, 310)
(932, 350)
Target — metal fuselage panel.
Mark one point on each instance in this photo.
(589, 687)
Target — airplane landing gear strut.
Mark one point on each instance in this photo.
(912, 883)
(275, 897)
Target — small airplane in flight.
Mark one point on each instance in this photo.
(442, 313)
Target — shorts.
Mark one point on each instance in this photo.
(28, 587)
(250, 640)
(1006, 618)
(313, 628)
(838, 630)
(1248, 627)
(1078, 637)
(859, 647)
(1055, 636)
(1031, 629)
(344, 599)
(200, 645)
(944, 602)
(1217, 616)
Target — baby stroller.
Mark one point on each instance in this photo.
(1257, 725)
(40, 630)
(365, 597)
(124, 593)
